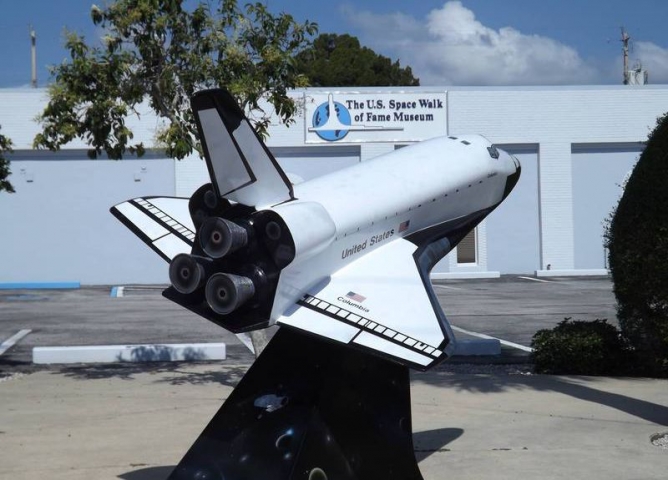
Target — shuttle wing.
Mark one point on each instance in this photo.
(163, 223)
(241, 167)
(381, 303)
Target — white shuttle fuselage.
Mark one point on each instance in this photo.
(432, 182)
(393, 197)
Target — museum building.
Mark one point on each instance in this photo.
(577, 145)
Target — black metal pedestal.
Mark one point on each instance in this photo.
(309, 410)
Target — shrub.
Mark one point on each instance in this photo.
(576, 347)
(638, 255)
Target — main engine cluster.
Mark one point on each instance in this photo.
(230, 276)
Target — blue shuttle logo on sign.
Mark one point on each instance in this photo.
(333, 127)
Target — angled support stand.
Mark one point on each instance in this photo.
(312, 410)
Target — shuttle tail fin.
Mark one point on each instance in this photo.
(241, 167)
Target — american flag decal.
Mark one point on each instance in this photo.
(355, 296)
(404, 226)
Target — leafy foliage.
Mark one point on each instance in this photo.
(638, 254)
(158, 52)
(5, 146)
(576, 347)
(340, 61)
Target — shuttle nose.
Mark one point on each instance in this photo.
(513, 178)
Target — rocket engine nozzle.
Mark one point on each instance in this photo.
(219, 236)
(225, 292)
(186, 273)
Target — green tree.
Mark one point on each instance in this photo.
(157, 52)
(637, 240)
(160, 53)
(5, 147)
(340, 61)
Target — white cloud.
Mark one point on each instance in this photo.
(654, 59)
(450, 46)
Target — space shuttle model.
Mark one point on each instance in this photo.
(342, 260)
(345, 256)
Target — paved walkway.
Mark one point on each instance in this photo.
(135, 423)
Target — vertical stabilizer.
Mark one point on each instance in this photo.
(241, 167)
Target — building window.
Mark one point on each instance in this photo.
(466, 250)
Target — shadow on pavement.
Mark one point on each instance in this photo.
(652, 412)
(425, 443)
(164, 353)
(230, 377)
(432, 441)
(150, 473)
(180, 375)
(572, 386)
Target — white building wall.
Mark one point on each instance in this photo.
(20, 107)
(519, 115)
(556, 206)
(594, 114)
(552, 118)
(371, 150)
(57, 227)
(513, 229)
(190, 174)
(556, 118)
(306, 163)
(599, 171)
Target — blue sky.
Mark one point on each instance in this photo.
(467, 42)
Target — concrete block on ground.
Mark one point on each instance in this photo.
(129, 353)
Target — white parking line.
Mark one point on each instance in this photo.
(503, 342)
(11, 341)
(446, 287)
(536, 279)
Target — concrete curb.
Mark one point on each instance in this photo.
(573, 273)
(129, 353)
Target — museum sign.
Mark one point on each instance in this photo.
(374, 117)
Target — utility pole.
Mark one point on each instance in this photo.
(625, 50)
(33, 56)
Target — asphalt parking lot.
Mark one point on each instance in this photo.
(135, 421)
(510, 308)
(513, 308)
